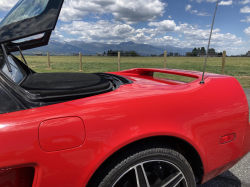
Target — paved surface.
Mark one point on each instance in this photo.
(239, 175)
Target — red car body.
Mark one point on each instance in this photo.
(66, 129)
(64, 144)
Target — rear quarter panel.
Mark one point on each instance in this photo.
(198, 114)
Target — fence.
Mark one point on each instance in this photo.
(238, 67)
(119, 62)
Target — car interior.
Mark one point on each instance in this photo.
(54, 85)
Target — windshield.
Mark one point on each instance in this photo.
(24, 9)
(17, 74)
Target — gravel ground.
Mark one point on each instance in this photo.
(237, 176)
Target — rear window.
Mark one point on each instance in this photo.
(24, 9)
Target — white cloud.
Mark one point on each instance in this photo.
(129, 11)
(158, 34)
(56, 35)
(140, 38)
(245, 9)
(169, 16)
(209, 1)
(100, 31)
(246, 20)
(6, 6)
(247, 31)
(203, 14)
(226, 2)
(166, 25)
(243, 2)
(192, 36)
(170, 38)
(188, 8)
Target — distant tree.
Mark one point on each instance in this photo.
(212, 50)
(104, 52)
(110, 52)
(114, 53)
(133, 53)
(199, 50)
(153, 55)
(127, 53)
(194, 51)
(203, 50)
(189, 54)
(176, 54)
(219, 54)
(171, 54)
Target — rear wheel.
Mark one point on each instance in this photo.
(151, 168)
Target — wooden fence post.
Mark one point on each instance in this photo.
(48, 60)
(223, 62)
(80, 58)
(119, 61)
(165, 59)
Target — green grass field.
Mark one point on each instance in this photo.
(239, 67)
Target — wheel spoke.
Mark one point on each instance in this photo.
(137, 177)
(153, 173)
(145, 176)
(173, 180)
(178, 182)
(141, 177)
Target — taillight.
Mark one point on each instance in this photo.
(16, 177)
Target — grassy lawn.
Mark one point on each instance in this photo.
(238, 67)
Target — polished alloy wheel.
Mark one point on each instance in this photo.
(152, 173)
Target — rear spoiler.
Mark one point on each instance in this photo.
(151, 71)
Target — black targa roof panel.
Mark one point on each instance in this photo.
(29, 17)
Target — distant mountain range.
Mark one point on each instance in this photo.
(74, 47)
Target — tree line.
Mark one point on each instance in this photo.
(123, 53)
(169, 54)
(199, 50)
(134, 53)
(194, 52)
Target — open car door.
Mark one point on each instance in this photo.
(28, 18)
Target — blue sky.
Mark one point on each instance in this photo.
(179, 23)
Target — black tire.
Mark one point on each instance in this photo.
(163, 163)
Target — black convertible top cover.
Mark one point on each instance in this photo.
(54, 84)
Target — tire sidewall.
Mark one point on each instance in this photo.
(167, 155)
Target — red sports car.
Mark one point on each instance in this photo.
(119, 129)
